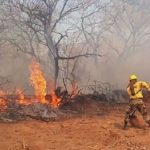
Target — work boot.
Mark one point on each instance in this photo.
(132, 117)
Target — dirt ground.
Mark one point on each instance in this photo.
(98, 128)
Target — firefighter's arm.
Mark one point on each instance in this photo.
(128, 91)
(145, 85)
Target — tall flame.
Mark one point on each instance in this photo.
(38, 81)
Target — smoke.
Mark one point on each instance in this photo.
(128, 30)
(117, 73)
(14, 69)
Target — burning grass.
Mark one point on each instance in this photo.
(41, 105)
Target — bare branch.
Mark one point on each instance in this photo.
(77, 56)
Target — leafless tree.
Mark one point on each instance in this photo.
(53, 23)
(131, 29)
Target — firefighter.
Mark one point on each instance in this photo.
(134, 90)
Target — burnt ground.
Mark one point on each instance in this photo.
(89, 125)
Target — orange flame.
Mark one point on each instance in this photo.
(21, 99)
(3, 103)
(55, 100)
(38, 81)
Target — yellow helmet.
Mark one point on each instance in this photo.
(133, 77)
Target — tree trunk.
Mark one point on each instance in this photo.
(56, 72)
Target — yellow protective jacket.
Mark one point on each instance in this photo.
(137, 87)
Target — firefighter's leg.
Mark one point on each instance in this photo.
(130, 114)
(126, 120)
(127, 116)
(144, 114)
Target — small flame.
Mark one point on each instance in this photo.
(21, 99)
(55, 100)
(38, 81)
(3, 103)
